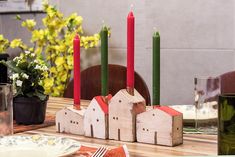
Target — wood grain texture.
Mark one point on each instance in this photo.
(69, 120)
(158, 127)
(193, 144)
(123, 109)
(95, 121)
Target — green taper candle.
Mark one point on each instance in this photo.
(104, 61)
(156, 68)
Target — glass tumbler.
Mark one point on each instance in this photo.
(206, 91)
(6, 109)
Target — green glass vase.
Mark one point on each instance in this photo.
(226, 130)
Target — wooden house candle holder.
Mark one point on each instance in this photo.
(70, 120)
(123, 109)
(96, 118)
(160, 125)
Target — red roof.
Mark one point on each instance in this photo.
(168, 110)
(103, 105)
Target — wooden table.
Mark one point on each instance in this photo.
(193, 144)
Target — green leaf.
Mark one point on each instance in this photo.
(3, 62)
(18, 17)
(19, 92)
(12, 66)
(30, 94)
(40, 95)
(23, 65)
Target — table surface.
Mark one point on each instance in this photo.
(194, 144)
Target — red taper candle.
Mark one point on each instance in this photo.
(76, 72)
(130, 52)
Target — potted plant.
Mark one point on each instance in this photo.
(28, 72)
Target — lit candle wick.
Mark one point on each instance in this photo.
(132, 6)
(155, 29)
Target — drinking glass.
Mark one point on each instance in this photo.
(6, 111)
(206, 91)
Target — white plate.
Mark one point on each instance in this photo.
(37, 146)
(205, 113)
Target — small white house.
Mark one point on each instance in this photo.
(69, 120)
(96, 118)
(123, 109)
(160, 125)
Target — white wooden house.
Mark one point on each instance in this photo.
(96, 118)
(123, 109)
(69, 120)
(160, 125)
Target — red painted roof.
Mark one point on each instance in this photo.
(168, 110)
(103, 105)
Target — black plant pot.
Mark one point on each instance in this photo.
(29, 110)
(3, 68)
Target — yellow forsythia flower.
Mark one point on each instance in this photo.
(51, 11)
(59, 61)
(60, 87)
(16, 43)
(53, 70)
(74, 19)
(37, 35)
(56, 91)
(63, 77)
(60, 68)
(30, 23)
(1, 37)
(70, 60)
(48, 83)
(4, 44)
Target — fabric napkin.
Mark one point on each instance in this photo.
(121, 151)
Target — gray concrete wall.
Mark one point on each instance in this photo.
(197, 38)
